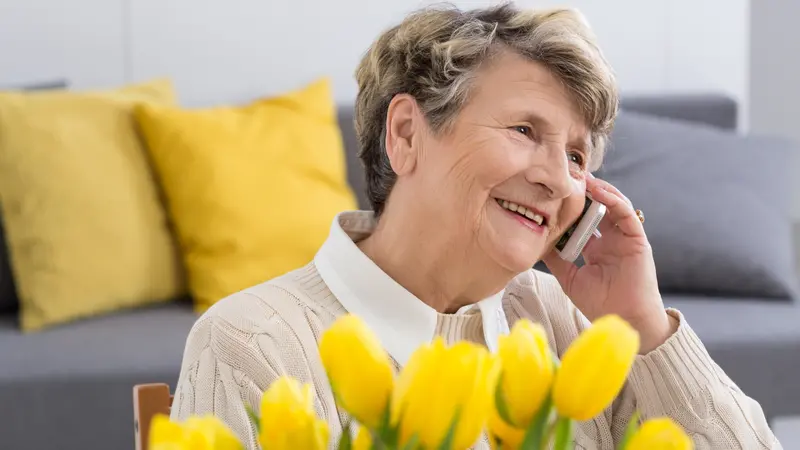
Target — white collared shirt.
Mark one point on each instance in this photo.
(401, 321)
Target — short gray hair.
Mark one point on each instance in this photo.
(435, 52)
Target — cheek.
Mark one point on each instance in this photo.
(496, 159)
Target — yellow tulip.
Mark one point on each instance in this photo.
(195, 433)
(288, 420)
(527, 371)
(594, 368)
(660, 434)
(440, 381)
(363, 440)
(358, 368)
(502, 435)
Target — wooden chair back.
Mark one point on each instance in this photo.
(148, 400)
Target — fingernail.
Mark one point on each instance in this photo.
(591, 175)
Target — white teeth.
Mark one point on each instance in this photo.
(521, 210)
(534, 217)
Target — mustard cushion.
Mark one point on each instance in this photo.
(86, 230)
(252, 189)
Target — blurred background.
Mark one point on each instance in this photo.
(710, 105)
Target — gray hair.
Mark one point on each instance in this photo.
(434, 54)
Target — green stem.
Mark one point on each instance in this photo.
(450, 437)
(630, 430)
(346, 439)
(563, 429)
(536, 431)
(548, 435)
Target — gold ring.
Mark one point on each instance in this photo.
(640, 215)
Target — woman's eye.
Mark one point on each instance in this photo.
(522, 129)
(577, 158)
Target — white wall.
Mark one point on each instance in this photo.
(80, 39)
(239, 49)
(775, 75)
(775, 68)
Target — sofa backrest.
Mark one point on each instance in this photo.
(355, 171)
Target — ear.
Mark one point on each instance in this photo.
(402, 123)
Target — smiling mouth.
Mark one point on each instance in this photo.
(522, 211)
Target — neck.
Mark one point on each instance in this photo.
(431, 263)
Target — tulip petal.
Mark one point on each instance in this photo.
(162, 430)
(660, 434)
(502, 435)
(527, 371)
(359, 370)
(288, 419)
(437, 382)
(195, 433)
(363, 440)
(321, 435)
(594, 368)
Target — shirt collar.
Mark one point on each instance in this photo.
(401, 321)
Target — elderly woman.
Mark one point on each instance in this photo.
(479, 131)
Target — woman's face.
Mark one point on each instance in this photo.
(519, 142)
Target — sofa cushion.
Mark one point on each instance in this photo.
(73, 384)
(756, 343)
(140, 341)
(717, 204)
(85, 226)
(9, 303)
(228, 174)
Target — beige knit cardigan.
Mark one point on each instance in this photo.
(244, 342)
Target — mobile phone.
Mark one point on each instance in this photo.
(572, 242)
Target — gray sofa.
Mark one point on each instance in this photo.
(70, 387)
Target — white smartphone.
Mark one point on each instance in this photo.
(571, 244)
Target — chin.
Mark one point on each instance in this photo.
(518, 258)
(511, 245)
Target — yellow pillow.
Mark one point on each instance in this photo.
(252, 189)
(86, 230)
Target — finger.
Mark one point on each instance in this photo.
(589, 250)
(596, 182)
(619, 212)
(561, 269)
(606, 225)
(590, 244)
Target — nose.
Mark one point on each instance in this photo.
(549, 171)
